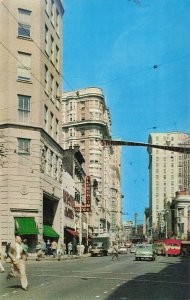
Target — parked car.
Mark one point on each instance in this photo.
(122, 250)
(145, 251)
(133, 249)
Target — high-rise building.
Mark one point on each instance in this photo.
(165, 173)
(86, 121)
(30, 119)
(185, 174)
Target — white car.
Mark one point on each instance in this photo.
(133, 249)
(122, 250)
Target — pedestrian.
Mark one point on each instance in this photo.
(1, 265)
(43, 244)
(60, 251)
(89, 248)
(70, 249)
(82, 249)
(25, 249)
(115, 253)
(54, 247)
(15, 253)
(38, 251)
(48, 248)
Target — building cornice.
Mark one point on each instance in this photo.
(84, 123)
(32, 128)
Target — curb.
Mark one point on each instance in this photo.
(33, 258)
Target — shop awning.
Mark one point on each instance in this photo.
(25, 226)
(74, 233)
(49, 231)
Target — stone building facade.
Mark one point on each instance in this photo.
(30, 119)
(165, 174)
(86, 121)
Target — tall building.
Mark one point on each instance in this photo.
(186, 166)
(30, 119)
(165, 173)
(86, 121)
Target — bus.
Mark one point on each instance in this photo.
(168, 247)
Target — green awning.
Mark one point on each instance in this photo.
(24, 226)
(49, 231)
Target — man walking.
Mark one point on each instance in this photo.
(1, 266)
(70, 249)
(15, 254)
(54, 247)
(38, 251)
(115, 253)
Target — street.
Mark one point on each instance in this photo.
(100, 278)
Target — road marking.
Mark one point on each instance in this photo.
(91, 272)
(112, 278)
(105, 292)
(97, 296)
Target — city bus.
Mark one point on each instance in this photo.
(168, 247)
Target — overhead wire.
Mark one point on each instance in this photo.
(36, 44)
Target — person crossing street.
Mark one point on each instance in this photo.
(115, 253)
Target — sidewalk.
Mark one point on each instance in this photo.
(32, 257)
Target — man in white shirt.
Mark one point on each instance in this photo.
(15, 253)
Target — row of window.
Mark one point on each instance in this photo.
(51, 49)
(52, 161)
(52, 87)
(53, 14)
(24, 19)
(53, 164)
(51, 123)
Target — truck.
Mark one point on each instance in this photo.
(100, 246)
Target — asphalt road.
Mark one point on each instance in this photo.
(100, 278)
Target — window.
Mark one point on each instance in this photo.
(23, 146)
(46, 117)
(46, 79)
(51, 122)
(24, 108)
(46, 39)
(57, 58)
(57, 129)
(52, 48)
(82, 117)
(57, 94)
(24, 23)
(82, 132)
(57, 23)
(52, 11)
(24, 66)
(47, 7)
(70, 131)
(52, 85)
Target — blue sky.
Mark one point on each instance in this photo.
(114, 45)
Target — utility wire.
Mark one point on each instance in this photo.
(16, 20)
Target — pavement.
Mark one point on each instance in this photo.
(32, 257)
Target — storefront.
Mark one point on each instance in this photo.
(26, 227)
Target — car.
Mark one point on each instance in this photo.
(133, 249)
(145, 251)
(122, 250)
(110, 251)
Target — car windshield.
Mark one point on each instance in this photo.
(144, 246)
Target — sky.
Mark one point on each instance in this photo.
(138, 53)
